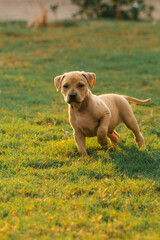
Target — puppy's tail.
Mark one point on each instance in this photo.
(135, 100)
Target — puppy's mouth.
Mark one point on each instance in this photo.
(70, 101)
(73, 98)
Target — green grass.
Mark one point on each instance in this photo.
(47, 191)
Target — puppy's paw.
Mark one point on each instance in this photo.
(102, 141)
(142, 145)
(114, 136)
(140, 141)
(83, 154)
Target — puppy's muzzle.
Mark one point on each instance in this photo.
(72, 97)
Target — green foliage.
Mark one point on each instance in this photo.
(119, 9)
(54, 7)
(47, 191)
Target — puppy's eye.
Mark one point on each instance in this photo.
(65, 86)
(81, 85)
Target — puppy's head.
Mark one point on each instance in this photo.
(74, 85)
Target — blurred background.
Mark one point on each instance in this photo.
(62, 9)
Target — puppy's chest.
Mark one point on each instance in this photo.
(88, 124)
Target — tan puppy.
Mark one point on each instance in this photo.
(92, 115)
(41, 20)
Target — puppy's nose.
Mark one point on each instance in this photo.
(72, 96)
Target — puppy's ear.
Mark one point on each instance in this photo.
(58, 81)
(91, 78)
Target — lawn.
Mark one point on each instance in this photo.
(47, 191)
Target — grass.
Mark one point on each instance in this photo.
(47, 190)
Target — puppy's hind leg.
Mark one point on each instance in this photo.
(114, 136)
(131, 123)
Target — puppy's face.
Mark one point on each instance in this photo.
(74, 88)
(74, 85)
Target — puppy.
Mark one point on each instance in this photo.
(41, 20)
(92, 115)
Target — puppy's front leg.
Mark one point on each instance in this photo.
(103, 130)
(80, 140)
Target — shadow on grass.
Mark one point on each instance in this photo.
(134, 162)
(49, 163)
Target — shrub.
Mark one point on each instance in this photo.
(119, 9)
